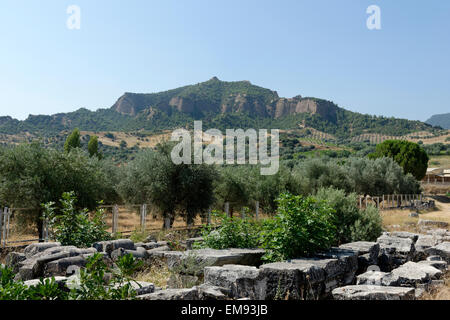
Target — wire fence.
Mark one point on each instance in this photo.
(121, 220)
(126, 219)
(392, 201)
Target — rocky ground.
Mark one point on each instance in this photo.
(398, 266)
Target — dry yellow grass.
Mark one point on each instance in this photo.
(439, 161)
(157, 273)
(130, 139)
(399, 220)
(435, 189)
(440, 292)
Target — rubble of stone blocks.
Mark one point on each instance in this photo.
(398, 266)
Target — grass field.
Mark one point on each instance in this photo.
(399, 220)
(439, 161)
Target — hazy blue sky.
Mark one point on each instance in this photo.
(309, 47)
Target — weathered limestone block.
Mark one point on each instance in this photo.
(309, 278)
(243, 281)
(152, 245)
(371, 292)
(367, 253)
(212, 257)
(411, 274)
(294, 280)
(61, 281)
(190, 242)
(34, 266)
(171, 294)
(404, 234)
(394, 251)
(142, 287)
(34, 248)
(209, 292)
(110, 246)
(442, 250)
(202, 292)
(441, 265)
(139, 253)
(13, 259)
(59, 267)
(438, 232)
(344, 270)
(158, 252)
(371, 277)
(424, 242)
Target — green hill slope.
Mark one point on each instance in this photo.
(219, 104)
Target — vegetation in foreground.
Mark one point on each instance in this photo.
(91, 284)
(301, 227)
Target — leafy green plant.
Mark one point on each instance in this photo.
(302, 226)
(368, 226)
(99, 282)
(230, 232)
(352, 223)
(72, 227)
(46, 289)
(138, 235)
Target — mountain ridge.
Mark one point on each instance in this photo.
(221, 104)
(441, 120)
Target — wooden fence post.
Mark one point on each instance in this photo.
(7, 225)
(5, 214)
(1, 226)
(167, 223)
(382, 203)
(115, 218)
(227, 209)
(243, 213)
(208, 218)
(143, 216)
(257, 210)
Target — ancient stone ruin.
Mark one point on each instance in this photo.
(398, 266)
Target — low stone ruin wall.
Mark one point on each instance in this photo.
(398, 266)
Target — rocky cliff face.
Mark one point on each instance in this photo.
(224, 97)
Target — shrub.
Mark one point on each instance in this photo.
(368, 227)
(346, 211)
(16, 290)
(352, 224)
(302, 226)
(230, 232)
(91, 285)
(72, 227)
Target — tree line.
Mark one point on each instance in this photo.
(31, 175)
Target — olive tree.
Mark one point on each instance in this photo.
(186, 189)
(31, 175)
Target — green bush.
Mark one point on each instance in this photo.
(368, 226)
(352, 224)
(92, 283)
(346, 211)
(72, 227)
(231, 232)
(302, 226)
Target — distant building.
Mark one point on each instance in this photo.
(437, 176)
